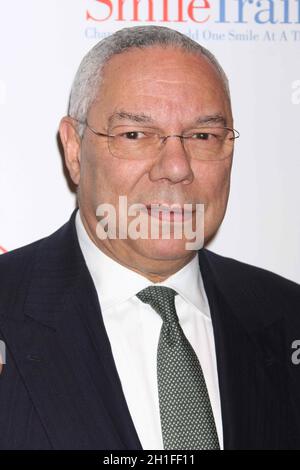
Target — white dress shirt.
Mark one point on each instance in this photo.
(133, 329)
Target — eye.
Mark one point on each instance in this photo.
(202, 136)
(133, 135)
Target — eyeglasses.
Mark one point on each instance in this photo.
(141, 143)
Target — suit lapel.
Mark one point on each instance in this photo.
(63, 353)
(250, 369)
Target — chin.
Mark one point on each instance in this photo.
(163, 249)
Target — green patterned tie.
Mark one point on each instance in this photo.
(185, 411)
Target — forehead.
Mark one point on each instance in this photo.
(166, 82)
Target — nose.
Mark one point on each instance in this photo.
(172, 163)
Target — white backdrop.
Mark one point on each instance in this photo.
(258, 43)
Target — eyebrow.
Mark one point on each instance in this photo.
(126, 116)
(213, 119)
(144, 118)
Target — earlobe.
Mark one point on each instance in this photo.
(72, 145)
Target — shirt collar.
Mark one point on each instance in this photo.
(105, 272)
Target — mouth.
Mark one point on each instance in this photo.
(173, 213)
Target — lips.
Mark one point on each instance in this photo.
(167, 212)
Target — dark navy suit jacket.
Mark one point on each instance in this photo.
(60, 388)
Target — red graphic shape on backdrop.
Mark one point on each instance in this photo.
(2, 250)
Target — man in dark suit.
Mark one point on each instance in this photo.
(125, 342)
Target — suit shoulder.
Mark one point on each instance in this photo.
(18, 257)
(260, 281)
(16, 265)
(22, 256)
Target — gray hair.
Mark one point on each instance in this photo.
(88, 77)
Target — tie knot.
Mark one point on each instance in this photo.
(162, 300)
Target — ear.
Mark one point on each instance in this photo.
(71, 143)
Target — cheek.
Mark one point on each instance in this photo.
(94, 174)
(214, 181)
(122, 176)
(216, 184)
(107, 177)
